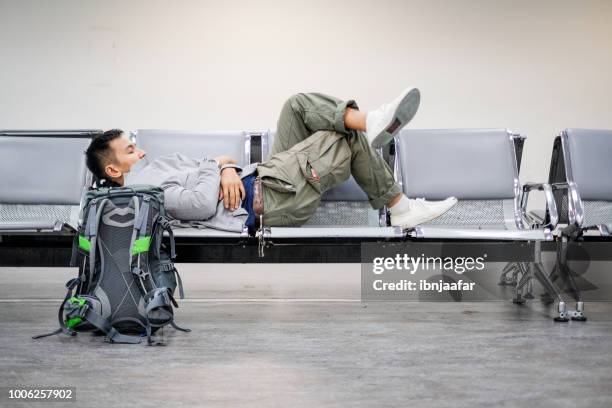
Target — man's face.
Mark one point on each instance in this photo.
(126, 155)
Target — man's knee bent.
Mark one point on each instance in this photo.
(297, 102)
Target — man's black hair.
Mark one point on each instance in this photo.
(99, 154)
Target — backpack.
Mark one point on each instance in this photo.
(126, 282)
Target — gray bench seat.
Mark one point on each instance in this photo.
(581, 165)
(42, 181)
(479, 167)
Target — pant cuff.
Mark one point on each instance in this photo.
(339, 115)
(381, 201)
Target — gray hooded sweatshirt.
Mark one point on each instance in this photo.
(191, 191)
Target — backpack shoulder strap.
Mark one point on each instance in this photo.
(165, 224)
(91, 231)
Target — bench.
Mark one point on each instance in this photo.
(43, 181)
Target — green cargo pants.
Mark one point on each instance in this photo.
(312, 153)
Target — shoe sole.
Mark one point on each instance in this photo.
(404, 113)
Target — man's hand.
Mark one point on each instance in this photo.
(232, 189)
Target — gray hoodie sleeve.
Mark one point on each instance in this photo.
(191, 199)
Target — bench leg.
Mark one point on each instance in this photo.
(549, 286)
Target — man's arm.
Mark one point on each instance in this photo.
(232, 189)
(199, 203)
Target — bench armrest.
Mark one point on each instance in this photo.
(551, 206)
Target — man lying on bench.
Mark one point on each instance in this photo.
(320, 142)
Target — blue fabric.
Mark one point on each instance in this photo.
(247, 203)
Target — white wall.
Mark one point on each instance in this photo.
(533, 66)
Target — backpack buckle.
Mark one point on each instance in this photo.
(140, 273)
(163, 294)
(165, 224)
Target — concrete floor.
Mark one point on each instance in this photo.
(315, 353)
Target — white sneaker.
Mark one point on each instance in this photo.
(421, 211)
(385, 122)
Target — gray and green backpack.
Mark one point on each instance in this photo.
(126, 282)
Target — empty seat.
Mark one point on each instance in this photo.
(236, 144)
(479, 167)
(581, 165)
(344, 212)
(42, 180)
(580, 171)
